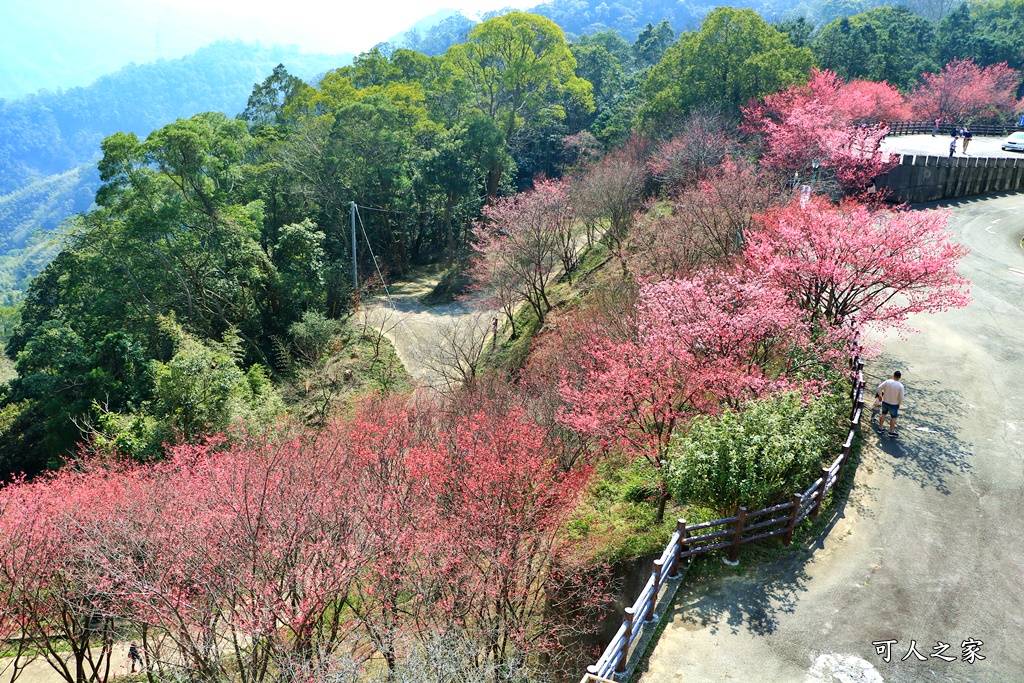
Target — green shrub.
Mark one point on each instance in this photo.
(757, 457)
(202, 389)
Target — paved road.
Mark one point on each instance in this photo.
(930, 544)
(939, 146)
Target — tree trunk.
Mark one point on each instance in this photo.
(662, 501)
(494, 179)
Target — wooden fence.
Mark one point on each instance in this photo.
(727, 534)
(946, 127)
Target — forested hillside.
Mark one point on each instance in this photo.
(53, 132)
(265, 495)
(49, 143)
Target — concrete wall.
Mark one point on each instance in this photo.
(930, 178)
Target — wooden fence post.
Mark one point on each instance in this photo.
(857, 403)
(821, 492)
(798, 499)
(677, 561)
(656, 575)
(842, 463)
(624, 648)
(734, 551)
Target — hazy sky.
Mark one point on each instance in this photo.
(314, 25)
(65, 43)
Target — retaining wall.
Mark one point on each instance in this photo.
(921, 178)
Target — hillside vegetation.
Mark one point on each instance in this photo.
(50, 142)
(266, 497)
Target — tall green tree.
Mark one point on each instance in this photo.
(734, 57)
(267, 103)
(519, 69)
(883, 44)
(652, 42)
(614, 43)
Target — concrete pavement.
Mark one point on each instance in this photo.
(939, 146)
(929, 546)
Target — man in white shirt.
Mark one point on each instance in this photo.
(890, 392)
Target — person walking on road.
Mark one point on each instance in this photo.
(952, 146)
(890, 393)
(935, 130)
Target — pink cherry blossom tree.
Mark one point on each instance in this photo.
(701, 225)
(699, 343)
(855, 262)
(835, 123)
(705, 139)
(520, 242)
(964, 91)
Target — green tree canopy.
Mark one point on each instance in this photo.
(519, 69)
(266, 105)
(883, 44)
(734, 57)
(652, 42)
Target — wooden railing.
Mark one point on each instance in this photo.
(730, 533)
(945, 127)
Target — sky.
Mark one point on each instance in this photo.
(67, 43)
(317, 26)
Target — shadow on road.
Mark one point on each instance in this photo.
(928, 450)
(755, 601)
(752, 603)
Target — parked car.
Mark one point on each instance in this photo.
(1014, 143)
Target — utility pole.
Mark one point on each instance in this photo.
(355, 269)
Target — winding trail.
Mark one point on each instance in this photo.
(929, 545)
(415, 329)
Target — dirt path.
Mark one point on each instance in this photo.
(416, 330)
(38, 671)
(929, 546)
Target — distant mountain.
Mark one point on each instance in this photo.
(52, 44)
(53, 132)
(29, 218)
(50, 142)
(434, 34)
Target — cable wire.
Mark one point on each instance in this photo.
(426, 211)
(387, 291)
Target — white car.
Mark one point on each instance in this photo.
(1014, 143)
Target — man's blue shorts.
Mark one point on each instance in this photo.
(889, 409)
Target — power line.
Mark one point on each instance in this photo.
(424, 211)
(383, 282)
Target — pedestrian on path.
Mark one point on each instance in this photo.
(935, 130)
(134, 656)
(967, 135)
(890, 393)
(952, 146)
